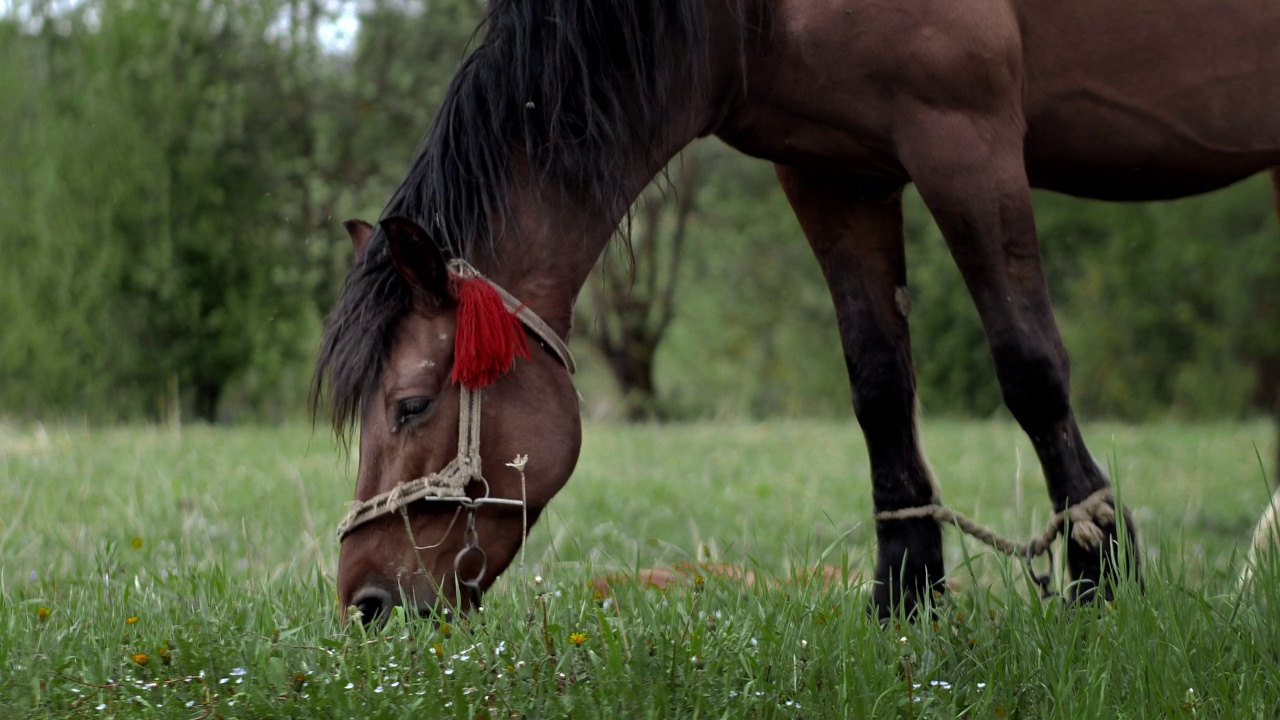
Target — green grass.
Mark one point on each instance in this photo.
(232, 584)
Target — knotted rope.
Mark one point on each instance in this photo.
(1083, 516)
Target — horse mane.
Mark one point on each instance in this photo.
(559, 88)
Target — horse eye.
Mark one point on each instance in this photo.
(410, 408)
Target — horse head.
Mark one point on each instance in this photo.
(450, 477)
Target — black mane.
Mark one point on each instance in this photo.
(569, 88)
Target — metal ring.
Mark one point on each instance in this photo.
(1044, 582)
(457, 565)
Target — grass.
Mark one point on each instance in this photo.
(189, 573)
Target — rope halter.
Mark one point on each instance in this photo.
(477, 299)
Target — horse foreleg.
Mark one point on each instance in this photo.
(970, 173)
(857, 237)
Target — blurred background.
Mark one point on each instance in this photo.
(173, 174)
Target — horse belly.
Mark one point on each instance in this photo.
(1150, 99)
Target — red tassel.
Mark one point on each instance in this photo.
(489, 337)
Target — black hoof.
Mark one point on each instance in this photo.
(909, 568)
(1097, 571)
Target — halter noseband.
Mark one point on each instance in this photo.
(450, 482)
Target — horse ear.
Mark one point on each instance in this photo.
(360, 231)
(417, 258)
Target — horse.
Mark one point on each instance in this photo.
(565, 110)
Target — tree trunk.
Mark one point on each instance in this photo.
(208, 396)
(634, 302)
(632, 366)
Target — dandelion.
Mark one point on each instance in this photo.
(43, 613)
(136, 543)
(132, 619)
(142, 659)
(578, 638)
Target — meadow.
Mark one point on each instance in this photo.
(189, 573)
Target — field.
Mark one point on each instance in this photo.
(188, 573)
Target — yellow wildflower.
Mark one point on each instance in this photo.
(43, 613)
(131, 620)
(136, 543)
(578, 638)
(142, 659)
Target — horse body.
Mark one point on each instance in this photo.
(567, 109)
(1150, 100)
(1141, 100)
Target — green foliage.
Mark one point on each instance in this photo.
(1172, 310)
(143, 252)
(755, 330)
(174, 174)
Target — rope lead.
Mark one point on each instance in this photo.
(1084, 517)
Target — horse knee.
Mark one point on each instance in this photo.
(1035, 386)
(883, 392)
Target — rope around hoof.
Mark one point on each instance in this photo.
(1083, 516)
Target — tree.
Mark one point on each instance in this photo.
(144, 186)
(633, 294)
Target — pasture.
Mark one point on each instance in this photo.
(188, 573)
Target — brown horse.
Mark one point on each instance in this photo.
(566, 110)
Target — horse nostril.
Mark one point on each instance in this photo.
(373, 604)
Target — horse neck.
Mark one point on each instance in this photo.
(544, 254)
